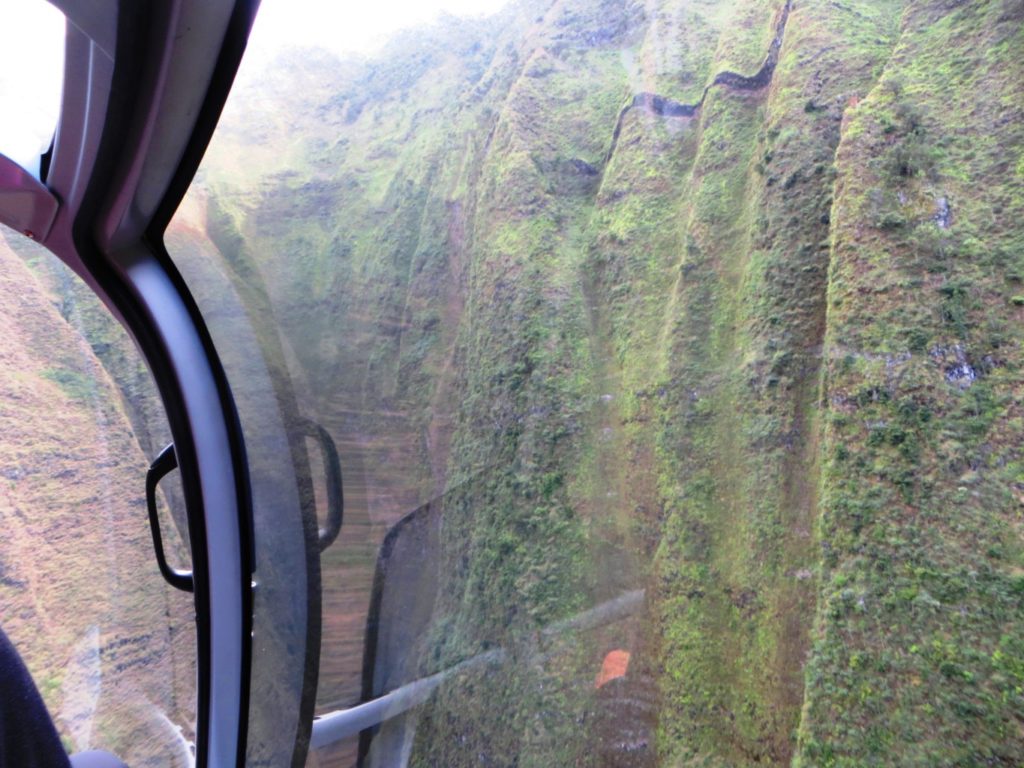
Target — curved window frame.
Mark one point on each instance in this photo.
(144, 86)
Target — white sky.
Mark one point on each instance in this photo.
(32, 50)
(31, 71)
(347, 26)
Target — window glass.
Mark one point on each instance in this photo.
(228, 289)
(31, 76)
(670, 351)
(110, 646)
(487, 542)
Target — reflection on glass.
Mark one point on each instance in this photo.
(394, 292)
(219, 273)
(173, 523)
(671, 354)
(109, 644)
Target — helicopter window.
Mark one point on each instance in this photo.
(486, 558)
(581, 382)
(110, 646)
(31, 76)
(221, 277)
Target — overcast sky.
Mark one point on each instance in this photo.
(351, 25)
(32, 45)
(31, 70)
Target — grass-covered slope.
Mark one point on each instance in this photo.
(110, 646)
(917, 653)
(718, 299)
(741, 347)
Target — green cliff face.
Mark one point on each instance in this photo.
(916, 637)
(750, 271)
(717, 299)
(722, 293)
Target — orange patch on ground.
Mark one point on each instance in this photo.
(614, 665)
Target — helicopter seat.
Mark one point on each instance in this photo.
(28, 738)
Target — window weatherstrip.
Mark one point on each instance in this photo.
(188, 361)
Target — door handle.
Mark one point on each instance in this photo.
(335, 488)
(165, 463)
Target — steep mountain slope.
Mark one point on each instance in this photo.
(110, 647)
(717, 299)
(917, 634)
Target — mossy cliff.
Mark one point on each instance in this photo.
(718, 299)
